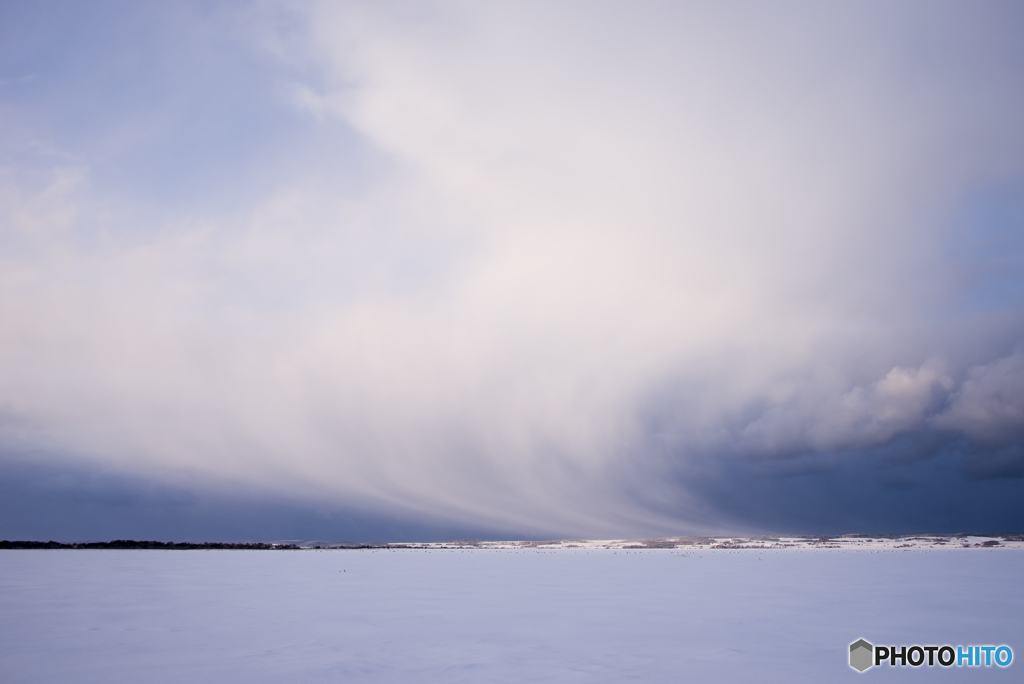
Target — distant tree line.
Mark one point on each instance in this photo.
(132, 544)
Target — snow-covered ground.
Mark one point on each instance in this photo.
(514, 614)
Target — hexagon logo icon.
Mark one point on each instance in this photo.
(861, 655)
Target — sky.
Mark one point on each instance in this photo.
(410, 271)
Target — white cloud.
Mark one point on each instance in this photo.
(826, 418)
(989, 405)
(573, 208)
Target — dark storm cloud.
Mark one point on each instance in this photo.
(878, 491)
(71, 502)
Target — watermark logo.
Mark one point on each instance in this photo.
(861, 655)
(864, 655)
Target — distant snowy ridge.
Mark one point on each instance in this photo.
(796, 543)
(846, 542)
(852, 542)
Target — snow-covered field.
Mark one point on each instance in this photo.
(512, 614)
